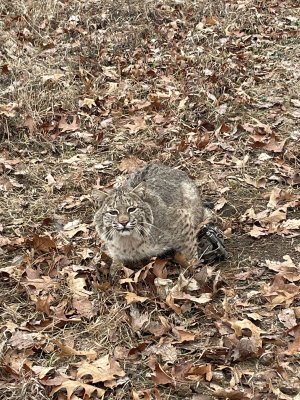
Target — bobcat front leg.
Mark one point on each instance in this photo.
(187, 256)
(114, 268)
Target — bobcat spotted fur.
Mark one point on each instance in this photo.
(157, 209)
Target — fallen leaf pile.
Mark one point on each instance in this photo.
(90, 92)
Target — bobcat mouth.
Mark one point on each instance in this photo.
(124, 230)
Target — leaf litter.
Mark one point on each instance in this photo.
(210, 88)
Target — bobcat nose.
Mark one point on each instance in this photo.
(123, 220)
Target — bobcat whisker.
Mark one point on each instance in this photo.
(109, 233)
(140, 230)
(146, 231)
(153, 226)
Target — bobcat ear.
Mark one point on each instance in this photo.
(140, 190)
(99, 196)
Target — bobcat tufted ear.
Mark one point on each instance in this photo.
(99, 196)
(140, 190)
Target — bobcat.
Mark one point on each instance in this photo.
(158, 209)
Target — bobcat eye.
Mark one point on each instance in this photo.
(131, 209)
(113, 212)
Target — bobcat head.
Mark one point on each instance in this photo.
(123, 213)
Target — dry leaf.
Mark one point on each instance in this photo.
(177, 292)
(255, 316)
(138, 349)
(294, 347)
(9, 110)
(260, 183)
(130, 164)
(146, 394)
(90, 103)
(220, 204)
(246, 348)
(275, 216)
(136, 395)
(167, 352)
(75, 159)
(245, 324)
(182, 103)
(43, 303)
(6, 184)
(43, 243)
(50, 180)
(134, 298)
(287, 317)
(138, 124)
(295, 102)
(170, 302)
(200, 370)
(258, 231)
(160, 377)
(202, 299)
(230, 394)
(274, 145)
(264, 157)
(110, 72)
(249, 214)
(104, 369)
(159, 268)
(295, 114)
(83, 306)
(142, 273)
(210, 20)
(65, 126)
(24, 340)
(286, 268)
(291, 224)
(30, 124)
(15, 360)
(53, 77)
(40, 284)
(258, 127)
(159, 328)
(77, 284)
(72, 228)
(42, 371)
(183, 335)
(70, 386)
(279, 292)
(274, 197)
(138, 320)
(194, 284)
(67, 350)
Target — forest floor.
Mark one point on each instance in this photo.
(89, 91)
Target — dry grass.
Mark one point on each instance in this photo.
(26, 388)
(168, 74)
